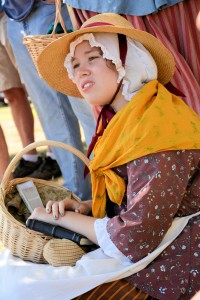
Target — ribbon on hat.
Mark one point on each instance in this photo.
(97, 24)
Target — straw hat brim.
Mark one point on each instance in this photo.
(51, 61)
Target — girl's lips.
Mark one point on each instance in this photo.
(87, 85)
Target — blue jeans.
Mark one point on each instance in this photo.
(58, 113)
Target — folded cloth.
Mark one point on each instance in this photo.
(26, 280)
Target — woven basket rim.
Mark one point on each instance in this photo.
(40, 38)
(36, 43)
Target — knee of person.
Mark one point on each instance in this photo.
(13, 94)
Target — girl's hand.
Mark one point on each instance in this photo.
(58, 208)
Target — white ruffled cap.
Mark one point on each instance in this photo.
(110, 50)
(140, 67)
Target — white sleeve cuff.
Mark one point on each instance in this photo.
(105, 242)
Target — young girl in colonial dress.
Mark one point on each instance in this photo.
(146, 156)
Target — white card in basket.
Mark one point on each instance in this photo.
(29, 195)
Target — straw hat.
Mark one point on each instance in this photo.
(51, 60)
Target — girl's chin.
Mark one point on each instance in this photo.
(92, 101)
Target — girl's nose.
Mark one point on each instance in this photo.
(83, 70)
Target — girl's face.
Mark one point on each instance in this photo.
(96, 81)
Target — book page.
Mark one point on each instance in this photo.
(29, 195)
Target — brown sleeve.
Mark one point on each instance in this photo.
(156, 184)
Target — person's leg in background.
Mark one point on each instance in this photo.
(22, 114)
(4, 155)
(31, 164)
(54, 109)
(23, 119)
(78, 106)
(24, 122)
(16, 96)
(11, 88)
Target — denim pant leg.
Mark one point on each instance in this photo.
(84, 115)
(54, 110)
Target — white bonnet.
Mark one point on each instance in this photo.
(140, 67)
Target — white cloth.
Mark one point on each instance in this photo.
(21, 280)
(140, 67)
(105, 242)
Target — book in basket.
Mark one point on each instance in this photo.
(57, 232)
(29, 195)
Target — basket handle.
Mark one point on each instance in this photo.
(58, 18)
(34, 145)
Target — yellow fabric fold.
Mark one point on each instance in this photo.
(153, 121)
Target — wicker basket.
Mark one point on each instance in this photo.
(28, 244)
(37, 43)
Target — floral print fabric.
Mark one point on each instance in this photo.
(160, 187)
(153, 120)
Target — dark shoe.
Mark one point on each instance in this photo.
(48, 169)
(2, 102)
(25, 167)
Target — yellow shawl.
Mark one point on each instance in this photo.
(153, 121)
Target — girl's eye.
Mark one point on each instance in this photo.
(93, 57)
(75, 66)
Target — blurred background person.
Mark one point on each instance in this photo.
(58, 114)
(12, 89)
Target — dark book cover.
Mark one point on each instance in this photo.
(57, 232)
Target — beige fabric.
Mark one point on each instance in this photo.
(9, 76)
